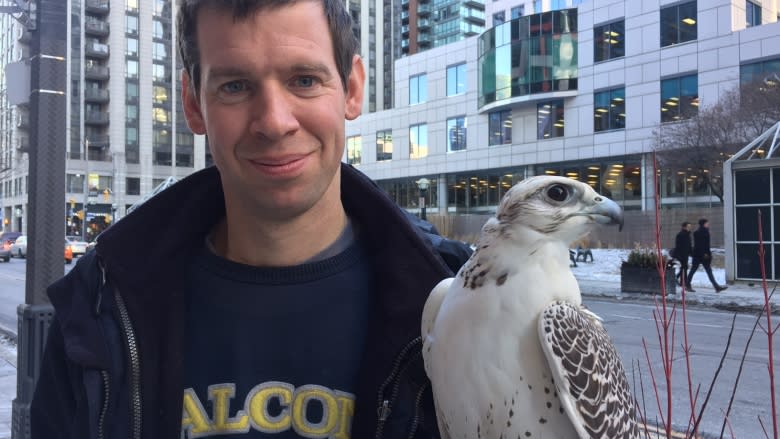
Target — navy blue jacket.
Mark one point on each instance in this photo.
(701, 244)
(113, 361)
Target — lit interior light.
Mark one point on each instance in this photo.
(602, 110)
(550, 172)
(689, 21)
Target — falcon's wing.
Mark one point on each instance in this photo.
(430, 312)
(588, 373)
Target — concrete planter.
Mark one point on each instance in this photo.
(645, 280)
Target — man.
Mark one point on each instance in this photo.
(282, 294)
(683, 247)
(702, 255)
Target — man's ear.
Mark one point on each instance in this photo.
(355, 83)
(191, 104)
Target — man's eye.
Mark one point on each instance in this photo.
(234, 87)
(305, 81)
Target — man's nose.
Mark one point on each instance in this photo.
(273, 113)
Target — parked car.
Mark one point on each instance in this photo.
(19, 247)
(68, 252)
(78, 246)
(7, 239)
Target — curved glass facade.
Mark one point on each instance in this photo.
(528, 55)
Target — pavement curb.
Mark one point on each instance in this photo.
(698, 302)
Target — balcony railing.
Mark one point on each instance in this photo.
(96, 118)
(96, 71)
(98, 6)
(96, 95)
(97, 49)
(96, 27)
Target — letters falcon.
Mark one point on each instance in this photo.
(271, 407)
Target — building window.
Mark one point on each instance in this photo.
(518, 11)
(418, 89)
(131, 5)
(500, 127)
(131, 25)
(131, 113)
(418, 141)
(132, 92)
(74, 183)
(764, 73)
(557, 5)
(133, 186)
(132, 69)
(498, 18)
(753, 13)
(456, 79)
(609, 110)
(537, 6)
(609, 41)
(159, 51)
(132, 47)
(354, 149)
(456, 134)
(549, 119)
(679, 98)
(678, 24)
(384, 145)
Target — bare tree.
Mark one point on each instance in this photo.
(700, 144)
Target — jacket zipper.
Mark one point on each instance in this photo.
(417, 404)
(385, 405)
(135, 367)
(104, 409)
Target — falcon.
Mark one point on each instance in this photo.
(508, 346)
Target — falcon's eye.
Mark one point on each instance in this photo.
(558, 192)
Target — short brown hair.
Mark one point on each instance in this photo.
(345, 45)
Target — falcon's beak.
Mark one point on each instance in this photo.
(605, 211)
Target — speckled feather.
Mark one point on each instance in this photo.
(593, 385)
(481, 329)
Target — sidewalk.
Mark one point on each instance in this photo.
(737, 298)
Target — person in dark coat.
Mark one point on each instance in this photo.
(683, 248)
(702, 255)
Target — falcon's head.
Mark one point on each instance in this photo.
(556, 207)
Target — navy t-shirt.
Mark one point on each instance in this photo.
(274, 352)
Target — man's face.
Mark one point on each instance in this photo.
(273, 106)
(706, 225)
(688, 227)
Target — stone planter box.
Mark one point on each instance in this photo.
(645, 280)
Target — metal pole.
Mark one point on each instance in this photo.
(86, 190)
(48, 103)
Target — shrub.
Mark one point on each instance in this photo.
(644, 258)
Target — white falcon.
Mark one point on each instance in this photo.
(509, 348)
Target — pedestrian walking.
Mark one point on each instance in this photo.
(702, 254)
(279, 292)
(683, 248)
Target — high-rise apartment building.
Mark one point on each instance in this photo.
(126, 132)
(432, 23)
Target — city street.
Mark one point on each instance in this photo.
(12, 279)
(628, 323)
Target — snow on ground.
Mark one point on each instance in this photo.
(606, 267)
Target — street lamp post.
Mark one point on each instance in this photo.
(423, 184)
